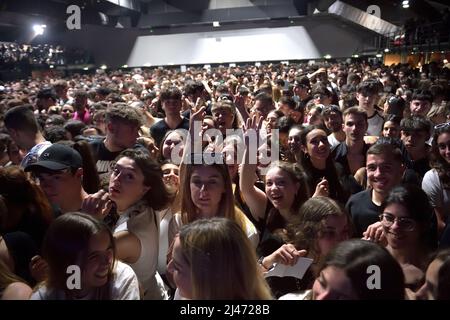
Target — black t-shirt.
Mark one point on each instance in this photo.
(105, 159)
(421, 166)
(363, 211)
(159, 129)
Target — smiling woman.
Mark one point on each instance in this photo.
(407, 225)
(136, 189)
(81, 256)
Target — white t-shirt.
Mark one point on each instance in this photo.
(141, 221)
(439, 197)
(333, 141)
(124, 286)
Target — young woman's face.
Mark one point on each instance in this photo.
(173, 147)
(271, 121)
(390, 129)
(207, 188)
(280, 189)
(443, 143)
(403, 233)
(171, 177)
(317, 145)
(335, 229)
(126, 184)
(99, 260)
(181, 270)
(294, 142)
(333, 284)
(314, 117)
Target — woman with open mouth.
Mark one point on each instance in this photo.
(136, 189)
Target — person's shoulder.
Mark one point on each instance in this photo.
(357, 197)
(339, 150)
(125, 285)
(160, 125)
(96, 142)
(123, 271)
(431, 176)
(184, 123)
(17, 291)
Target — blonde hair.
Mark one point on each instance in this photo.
(222, 261)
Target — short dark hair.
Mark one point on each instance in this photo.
(288, 101)
(392, 118)
(124, 113)
(329, 109)
(424, 95)
(264, 98)
(355, 256)
(355, 111)
(21, 118)
(170, 93)
(386, 149)
(285, 123)
(369, 87)
(415, 123)
(47, 93)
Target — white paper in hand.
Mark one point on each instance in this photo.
(297, 271)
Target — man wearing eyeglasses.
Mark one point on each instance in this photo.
(384, 166)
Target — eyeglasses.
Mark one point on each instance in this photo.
(407, 224)
(442, 126)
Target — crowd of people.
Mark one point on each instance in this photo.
(203, 184)
(13, 55)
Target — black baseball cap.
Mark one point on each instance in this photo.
(57, 157)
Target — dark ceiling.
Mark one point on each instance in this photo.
(18, 16)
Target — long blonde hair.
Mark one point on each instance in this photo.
(226, 206)
(222, 261)
(6, 277)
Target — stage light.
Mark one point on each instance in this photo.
(386, 50)
(39, 29)
(216, 24)
(103, 67)
(327, 56)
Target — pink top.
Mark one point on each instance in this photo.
(86, 116)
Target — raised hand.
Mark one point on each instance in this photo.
(287, 254)
(97, 204)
